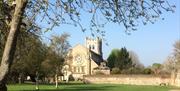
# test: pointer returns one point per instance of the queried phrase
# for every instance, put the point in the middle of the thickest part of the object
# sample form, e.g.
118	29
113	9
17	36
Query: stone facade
83	59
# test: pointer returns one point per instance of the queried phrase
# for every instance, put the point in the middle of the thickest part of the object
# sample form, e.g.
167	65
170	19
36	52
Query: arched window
90	47
93	47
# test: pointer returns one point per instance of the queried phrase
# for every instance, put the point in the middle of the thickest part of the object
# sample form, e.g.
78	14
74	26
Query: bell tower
94	45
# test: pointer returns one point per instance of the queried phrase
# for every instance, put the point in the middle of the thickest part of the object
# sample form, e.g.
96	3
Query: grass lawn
87	87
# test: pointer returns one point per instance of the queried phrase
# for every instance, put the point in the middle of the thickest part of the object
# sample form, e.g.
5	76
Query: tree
138	66
58	49
156	68
135	60
147	71
177	54
25	44
59	12
119	59
112	58
11	43
28	56
170	64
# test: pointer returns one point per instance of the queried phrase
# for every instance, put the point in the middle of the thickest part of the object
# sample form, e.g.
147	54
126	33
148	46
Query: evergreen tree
119	59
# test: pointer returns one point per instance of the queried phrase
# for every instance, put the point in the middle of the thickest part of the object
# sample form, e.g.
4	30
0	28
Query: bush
147	71
71	78
135	70
132	70
115	71
126	71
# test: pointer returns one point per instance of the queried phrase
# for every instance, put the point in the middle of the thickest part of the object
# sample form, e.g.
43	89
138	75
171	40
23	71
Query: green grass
87	87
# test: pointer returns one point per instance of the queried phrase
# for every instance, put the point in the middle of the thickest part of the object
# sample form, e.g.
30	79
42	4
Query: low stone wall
105	72
128	79
176	81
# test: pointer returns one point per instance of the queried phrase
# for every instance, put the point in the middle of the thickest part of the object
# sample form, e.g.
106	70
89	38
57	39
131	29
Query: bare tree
58	49
156	68
177	53
135	60
170	64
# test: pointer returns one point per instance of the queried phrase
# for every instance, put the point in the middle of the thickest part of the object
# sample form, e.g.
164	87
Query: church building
83	59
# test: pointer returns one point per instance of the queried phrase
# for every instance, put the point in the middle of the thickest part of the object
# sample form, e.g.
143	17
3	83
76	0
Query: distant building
82	59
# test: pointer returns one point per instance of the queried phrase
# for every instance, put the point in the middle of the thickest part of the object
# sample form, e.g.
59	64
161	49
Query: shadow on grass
80	83
78	88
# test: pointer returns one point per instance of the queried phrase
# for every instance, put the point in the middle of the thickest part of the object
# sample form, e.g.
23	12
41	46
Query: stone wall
176	81
128	79
101	71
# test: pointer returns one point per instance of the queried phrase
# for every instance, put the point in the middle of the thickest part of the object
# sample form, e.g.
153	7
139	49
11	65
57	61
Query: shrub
71	78
147	71
115	71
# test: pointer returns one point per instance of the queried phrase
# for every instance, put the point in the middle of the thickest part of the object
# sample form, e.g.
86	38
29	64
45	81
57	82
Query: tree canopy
119	59
128	13
177	53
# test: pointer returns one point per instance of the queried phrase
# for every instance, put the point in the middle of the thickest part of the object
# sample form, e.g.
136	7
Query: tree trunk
20	78
10	45
37	80
56	79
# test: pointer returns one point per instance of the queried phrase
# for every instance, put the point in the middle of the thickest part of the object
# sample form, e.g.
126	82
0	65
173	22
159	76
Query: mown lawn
87	87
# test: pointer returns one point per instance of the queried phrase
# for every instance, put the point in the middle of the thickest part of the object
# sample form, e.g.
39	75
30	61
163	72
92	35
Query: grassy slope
87	87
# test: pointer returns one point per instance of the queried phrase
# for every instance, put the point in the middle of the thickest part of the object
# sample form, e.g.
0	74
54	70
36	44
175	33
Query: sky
152	42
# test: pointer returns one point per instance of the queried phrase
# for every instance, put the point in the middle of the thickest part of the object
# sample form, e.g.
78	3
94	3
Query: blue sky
152	43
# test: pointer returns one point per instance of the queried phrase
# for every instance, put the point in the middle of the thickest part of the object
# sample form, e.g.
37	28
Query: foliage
115	71
133	70
169	64
156	68
135	60
29	56
177	53
112	58
119	59
32	56
55	13
60	44
172	62
29	50
57	51
122	12
147	71
71	78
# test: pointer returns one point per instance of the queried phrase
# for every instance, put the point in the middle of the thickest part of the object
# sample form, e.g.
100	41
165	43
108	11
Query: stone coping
127	75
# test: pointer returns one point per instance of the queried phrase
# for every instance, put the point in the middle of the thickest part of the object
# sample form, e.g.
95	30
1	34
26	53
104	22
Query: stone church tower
94	45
